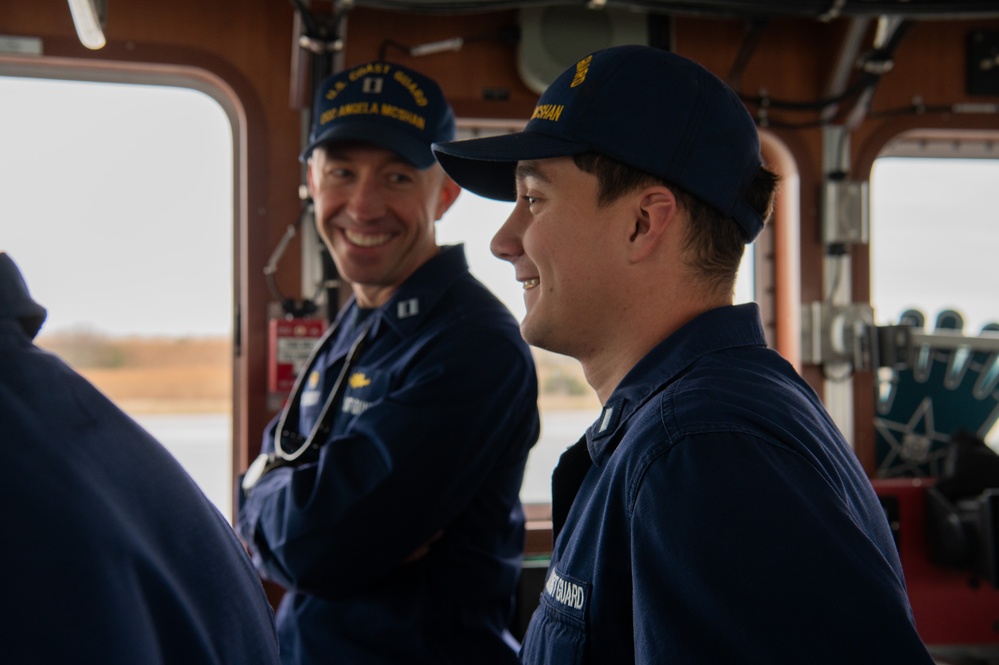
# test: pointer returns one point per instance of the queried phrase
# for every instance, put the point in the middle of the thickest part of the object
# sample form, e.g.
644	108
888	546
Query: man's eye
531	200
399	178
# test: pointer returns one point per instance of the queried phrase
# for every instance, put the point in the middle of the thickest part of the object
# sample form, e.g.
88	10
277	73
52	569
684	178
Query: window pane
935	238
117	207
934	241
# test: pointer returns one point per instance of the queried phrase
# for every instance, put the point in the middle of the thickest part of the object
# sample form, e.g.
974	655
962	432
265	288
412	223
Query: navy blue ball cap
383	104
644	107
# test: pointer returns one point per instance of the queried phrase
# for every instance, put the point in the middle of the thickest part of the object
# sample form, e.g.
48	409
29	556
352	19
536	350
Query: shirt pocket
558	630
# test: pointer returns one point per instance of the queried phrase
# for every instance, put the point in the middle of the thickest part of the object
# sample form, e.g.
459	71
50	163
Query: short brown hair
715	242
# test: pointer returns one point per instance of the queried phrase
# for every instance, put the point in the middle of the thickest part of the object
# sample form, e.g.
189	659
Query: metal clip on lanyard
301	449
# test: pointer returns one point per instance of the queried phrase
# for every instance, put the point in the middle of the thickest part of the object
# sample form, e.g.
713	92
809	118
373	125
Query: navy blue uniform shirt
111	553
718	516
431	436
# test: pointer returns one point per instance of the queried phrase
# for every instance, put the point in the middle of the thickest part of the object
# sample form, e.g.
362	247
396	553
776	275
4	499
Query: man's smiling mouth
366	239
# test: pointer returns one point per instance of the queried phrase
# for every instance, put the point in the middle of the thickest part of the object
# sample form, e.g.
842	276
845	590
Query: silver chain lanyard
304	448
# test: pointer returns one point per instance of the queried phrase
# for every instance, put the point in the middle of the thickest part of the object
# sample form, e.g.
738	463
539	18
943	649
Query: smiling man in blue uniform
713	513
386	500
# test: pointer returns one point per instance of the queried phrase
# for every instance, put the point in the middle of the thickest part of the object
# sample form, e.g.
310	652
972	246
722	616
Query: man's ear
310	179
654	213
448	195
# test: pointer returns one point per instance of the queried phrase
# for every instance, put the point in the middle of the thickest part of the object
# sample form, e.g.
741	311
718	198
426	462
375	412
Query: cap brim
402	143
487	166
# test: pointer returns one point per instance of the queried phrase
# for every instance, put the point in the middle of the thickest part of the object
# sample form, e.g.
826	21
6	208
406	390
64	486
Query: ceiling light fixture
88	17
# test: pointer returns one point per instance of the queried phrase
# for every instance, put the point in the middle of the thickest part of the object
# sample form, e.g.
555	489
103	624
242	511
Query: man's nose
365	200
506	244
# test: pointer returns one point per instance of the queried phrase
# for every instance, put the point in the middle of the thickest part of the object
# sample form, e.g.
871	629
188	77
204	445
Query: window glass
117	207
934	240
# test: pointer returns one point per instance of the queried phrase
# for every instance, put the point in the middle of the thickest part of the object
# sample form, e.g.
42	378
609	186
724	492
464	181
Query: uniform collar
418	295
715	330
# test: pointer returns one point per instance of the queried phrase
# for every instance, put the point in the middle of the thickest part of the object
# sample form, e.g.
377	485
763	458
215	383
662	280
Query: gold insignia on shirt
313	379
358	380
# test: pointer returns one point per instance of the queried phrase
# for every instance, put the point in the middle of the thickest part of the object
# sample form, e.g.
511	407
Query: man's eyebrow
530	170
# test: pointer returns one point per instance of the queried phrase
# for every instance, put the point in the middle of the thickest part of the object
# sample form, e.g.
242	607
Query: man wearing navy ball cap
713	513
386	498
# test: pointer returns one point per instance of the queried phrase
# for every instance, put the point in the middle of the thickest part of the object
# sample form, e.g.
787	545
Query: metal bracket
836	333
845	212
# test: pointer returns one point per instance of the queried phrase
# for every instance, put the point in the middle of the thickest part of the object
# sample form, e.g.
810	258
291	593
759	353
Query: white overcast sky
115	201
935	238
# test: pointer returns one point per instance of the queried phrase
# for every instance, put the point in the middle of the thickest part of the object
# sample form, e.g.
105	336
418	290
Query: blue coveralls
431	436
718	516
111	553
